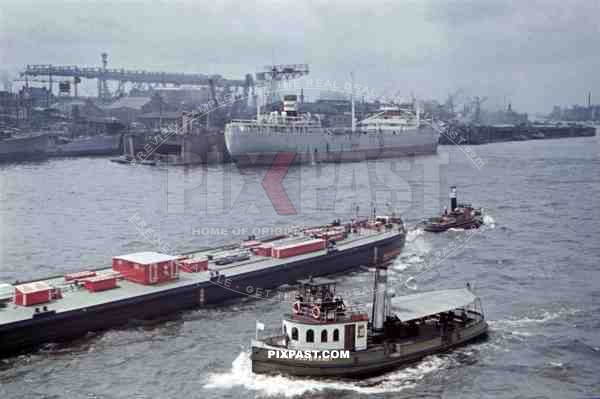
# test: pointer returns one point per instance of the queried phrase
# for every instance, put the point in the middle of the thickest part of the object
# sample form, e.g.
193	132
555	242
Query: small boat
128	159
121	159
461	216
323	338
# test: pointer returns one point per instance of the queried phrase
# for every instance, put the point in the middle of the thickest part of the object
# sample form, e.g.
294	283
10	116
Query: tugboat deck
77	298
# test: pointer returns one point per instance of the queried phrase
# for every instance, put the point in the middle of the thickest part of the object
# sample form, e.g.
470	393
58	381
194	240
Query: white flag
259	325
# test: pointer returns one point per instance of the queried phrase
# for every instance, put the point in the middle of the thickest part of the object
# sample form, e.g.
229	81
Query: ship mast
353	110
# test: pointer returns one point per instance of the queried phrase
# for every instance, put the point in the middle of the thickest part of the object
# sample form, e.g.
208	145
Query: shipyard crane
477	101
213	97
277	73
249	90
451	101
104	74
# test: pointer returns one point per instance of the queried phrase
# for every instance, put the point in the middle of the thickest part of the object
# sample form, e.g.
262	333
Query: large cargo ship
392	132
148	285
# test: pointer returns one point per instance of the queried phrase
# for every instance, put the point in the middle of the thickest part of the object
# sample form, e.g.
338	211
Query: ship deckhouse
321	321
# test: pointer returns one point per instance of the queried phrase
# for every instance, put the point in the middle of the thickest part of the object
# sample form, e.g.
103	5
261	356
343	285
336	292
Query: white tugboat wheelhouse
321	321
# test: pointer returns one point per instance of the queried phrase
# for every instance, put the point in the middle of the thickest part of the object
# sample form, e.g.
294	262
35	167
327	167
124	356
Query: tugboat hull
438	228
371	362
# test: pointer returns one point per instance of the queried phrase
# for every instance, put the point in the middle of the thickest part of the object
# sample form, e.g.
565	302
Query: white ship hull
262	143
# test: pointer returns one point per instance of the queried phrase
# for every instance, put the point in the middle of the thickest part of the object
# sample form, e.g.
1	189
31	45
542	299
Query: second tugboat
324	338
462	216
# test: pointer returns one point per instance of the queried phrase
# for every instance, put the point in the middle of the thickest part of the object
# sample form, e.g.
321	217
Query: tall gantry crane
104	74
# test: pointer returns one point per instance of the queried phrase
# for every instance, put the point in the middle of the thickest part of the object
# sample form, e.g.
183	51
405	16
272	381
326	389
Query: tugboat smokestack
380	292
453	203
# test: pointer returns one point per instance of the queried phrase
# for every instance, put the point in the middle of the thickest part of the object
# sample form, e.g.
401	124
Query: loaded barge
148	285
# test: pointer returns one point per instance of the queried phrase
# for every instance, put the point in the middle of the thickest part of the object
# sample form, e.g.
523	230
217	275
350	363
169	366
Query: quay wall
483	134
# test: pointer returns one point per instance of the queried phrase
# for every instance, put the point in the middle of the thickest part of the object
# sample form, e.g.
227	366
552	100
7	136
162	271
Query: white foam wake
543	317
414	233
413	254
241	375
489	221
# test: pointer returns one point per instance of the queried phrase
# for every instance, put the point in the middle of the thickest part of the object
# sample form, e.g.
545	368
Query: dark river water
535	265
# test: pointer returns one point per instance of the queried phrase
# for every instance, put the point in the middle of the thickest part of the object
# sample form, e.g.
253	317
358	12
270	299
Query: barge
323	338
148	285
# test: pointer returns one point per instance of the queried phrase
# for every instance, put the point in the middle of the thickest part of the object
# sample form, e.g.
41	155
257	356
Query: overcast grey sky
535	53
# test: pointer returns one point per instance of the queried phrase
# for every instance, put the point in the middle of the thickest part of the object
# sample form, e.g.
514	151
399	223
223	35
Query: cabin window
310	336
324	336
295	334
336	335
361	331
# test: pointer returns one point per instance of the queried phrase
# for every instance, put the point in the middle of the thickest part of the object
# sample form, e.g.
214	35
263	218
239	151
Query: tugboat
462	216
322	337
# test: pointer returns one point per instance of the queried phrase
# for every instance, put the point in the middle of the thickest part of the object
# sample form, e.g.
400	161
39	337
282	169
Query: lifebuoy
316	312
296	307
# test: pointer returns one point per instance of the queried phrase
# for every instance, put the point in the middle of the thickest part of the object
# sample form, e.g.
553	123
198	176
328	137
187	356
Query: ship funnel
418	112
453	204
290	105
379	292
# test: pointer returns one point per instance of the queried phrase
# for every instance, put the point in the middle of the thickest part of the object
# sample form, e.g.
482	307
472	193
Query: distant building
576	113
175	96
37	96
71	107
9	108
157	120
128	109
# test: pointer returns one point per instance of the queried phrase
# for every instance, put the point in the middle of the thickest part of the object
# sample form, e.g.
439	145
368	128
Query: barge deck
78	310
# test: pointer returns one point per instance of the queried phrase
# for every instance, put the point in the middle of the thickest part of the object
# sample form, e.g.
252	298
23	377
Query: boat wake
413	256
489	221
540	318
414	233
241	375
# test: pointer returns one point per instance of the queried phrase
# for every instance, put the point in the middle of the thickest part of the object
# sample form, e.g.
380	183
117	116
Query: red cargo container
100	283
334	236
298	248
33	293
79	275
147	267
263	249
193	265
251	243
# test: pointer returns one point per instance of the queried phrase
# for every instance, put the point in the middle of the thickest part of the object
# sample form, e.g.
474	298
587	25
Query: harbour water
535	265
